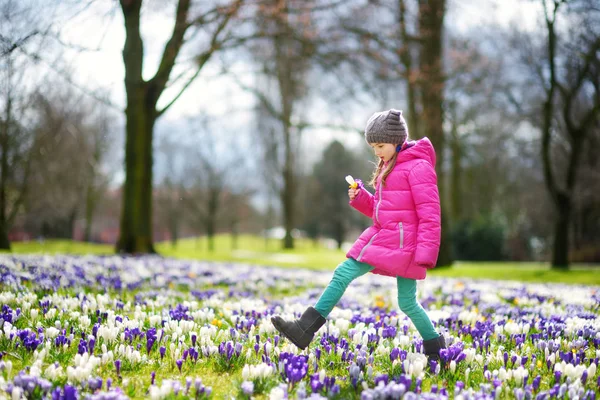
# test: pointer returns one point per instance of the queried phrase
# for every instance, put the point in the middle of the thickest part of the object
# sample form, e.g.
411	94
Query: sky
102	28
219	97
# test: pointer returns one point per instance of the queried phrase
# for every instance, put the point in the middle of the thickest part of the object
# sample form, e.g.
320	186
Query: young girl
403	241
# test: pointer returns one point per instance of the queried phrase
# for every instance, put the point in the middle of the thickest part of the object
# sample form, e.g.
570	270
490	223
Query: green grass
60	247
257	250
523	272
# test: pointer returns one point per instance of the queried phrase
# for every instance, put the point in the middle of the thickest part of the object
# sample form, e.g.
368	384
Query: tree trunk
456	175
234	227
287	92
4	242
289	193
136	214
71	223
174	228
339	233
210	234
410	76
4	138
90	205
431	24
141	113
560	252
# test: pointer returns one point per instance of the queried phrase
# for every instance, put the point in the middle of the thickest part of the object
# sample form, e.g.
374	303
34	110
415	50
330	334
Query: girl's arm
423	184
363	201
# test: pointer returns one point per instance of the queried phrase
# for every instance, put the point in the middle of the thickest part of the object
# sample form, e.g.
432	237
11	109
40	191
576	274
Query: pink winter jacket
404	239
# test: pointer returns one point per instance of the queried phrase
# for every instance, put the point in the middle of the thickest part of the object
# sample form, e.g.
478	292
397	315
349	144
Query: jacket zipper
401	228
365	248
378	204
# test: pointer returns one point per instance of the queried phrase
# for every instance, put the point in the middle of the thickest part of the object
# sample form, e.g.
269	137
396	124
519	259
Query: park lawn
59	246
257	250
522	272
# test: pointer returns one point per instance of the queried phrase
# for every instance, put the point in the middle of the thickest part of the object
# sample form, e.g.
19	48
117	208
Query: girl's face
384	151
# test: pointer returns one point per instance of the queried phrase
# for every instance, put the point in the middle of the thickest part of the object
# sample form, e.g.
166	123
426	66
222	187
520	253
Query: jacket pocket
401	230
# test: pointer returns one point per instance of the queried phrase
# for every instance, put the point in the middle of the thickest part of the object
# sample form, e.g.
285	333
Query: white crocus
50	314
470	355
16	393
52	332
453	366
53	372
592	370
502	374
83	369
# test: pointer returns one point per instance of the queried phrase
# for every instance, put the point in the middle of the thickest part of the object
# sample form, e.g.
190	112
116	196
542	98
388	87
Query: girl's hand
352	193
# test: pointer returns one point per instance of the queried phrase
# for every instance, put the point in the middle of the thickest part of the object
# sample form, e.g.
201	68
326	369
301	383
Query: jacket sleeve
424	189
363	202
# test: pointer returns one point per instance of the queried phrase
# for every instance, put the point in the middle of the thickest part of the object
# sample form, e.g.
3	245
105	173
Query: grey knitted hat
386	127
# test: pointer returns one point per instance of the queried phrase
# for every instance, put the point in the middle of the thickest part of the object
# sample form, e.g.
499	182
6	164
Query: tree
97	142
17	140
431	83
329	206
284	54
17	146
72	144
215	177
171	188
577	119
142	99
412	54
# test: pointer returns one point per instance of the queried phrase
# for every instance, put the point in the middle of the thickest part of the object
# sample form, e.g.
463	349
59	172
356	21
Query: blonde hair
379	168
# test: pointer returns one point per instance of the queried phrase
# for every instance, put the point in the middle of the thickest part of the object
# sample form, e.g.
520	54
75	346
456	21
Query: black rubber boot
432	348
300	331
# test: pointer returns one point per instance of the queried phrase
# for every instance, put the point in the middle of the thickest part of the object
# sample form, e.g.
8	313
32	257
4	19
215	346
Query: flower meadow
148	327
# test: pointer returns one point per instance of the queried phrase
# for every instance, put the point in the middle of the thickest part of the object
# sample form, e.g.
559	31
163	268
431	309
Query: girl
403	241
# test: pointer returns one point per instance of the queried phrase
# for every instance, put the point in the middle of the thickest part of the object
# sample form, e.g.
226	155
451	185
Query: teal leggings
351	269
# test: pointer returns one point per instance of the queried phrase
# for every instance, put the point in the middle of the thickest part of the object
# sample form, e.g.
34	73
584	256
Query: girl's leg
407	300
345	273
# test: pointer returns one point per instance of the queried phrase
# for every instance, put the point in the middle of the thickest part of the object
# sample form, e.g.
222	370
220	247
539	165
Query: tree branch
205	56
571	93
158	83
262	98
14	46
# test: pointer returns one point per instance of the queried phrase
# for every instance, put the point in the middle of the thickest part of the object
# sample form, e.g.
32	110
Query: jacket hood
418	149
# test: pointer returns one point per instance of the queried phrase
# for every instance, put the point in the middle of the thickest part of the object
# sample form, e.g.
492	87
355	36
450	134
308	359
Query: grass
257	250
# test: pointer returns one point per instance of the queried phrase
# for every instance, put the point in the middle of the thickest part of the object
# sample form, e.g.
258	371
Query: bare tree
412	54
17	139
171	188
142	99
97	146
578	118
216	176
284	58
431	83
17	147
69	165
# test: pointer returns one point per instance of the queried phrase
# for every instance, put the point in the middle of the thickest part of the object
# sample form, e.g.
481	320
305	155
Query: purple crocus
70	393
149	344
248	388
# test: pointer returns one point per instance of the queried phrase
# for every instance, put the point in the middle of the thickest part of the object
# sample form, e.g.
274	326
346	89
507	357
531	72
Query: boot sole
281	330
